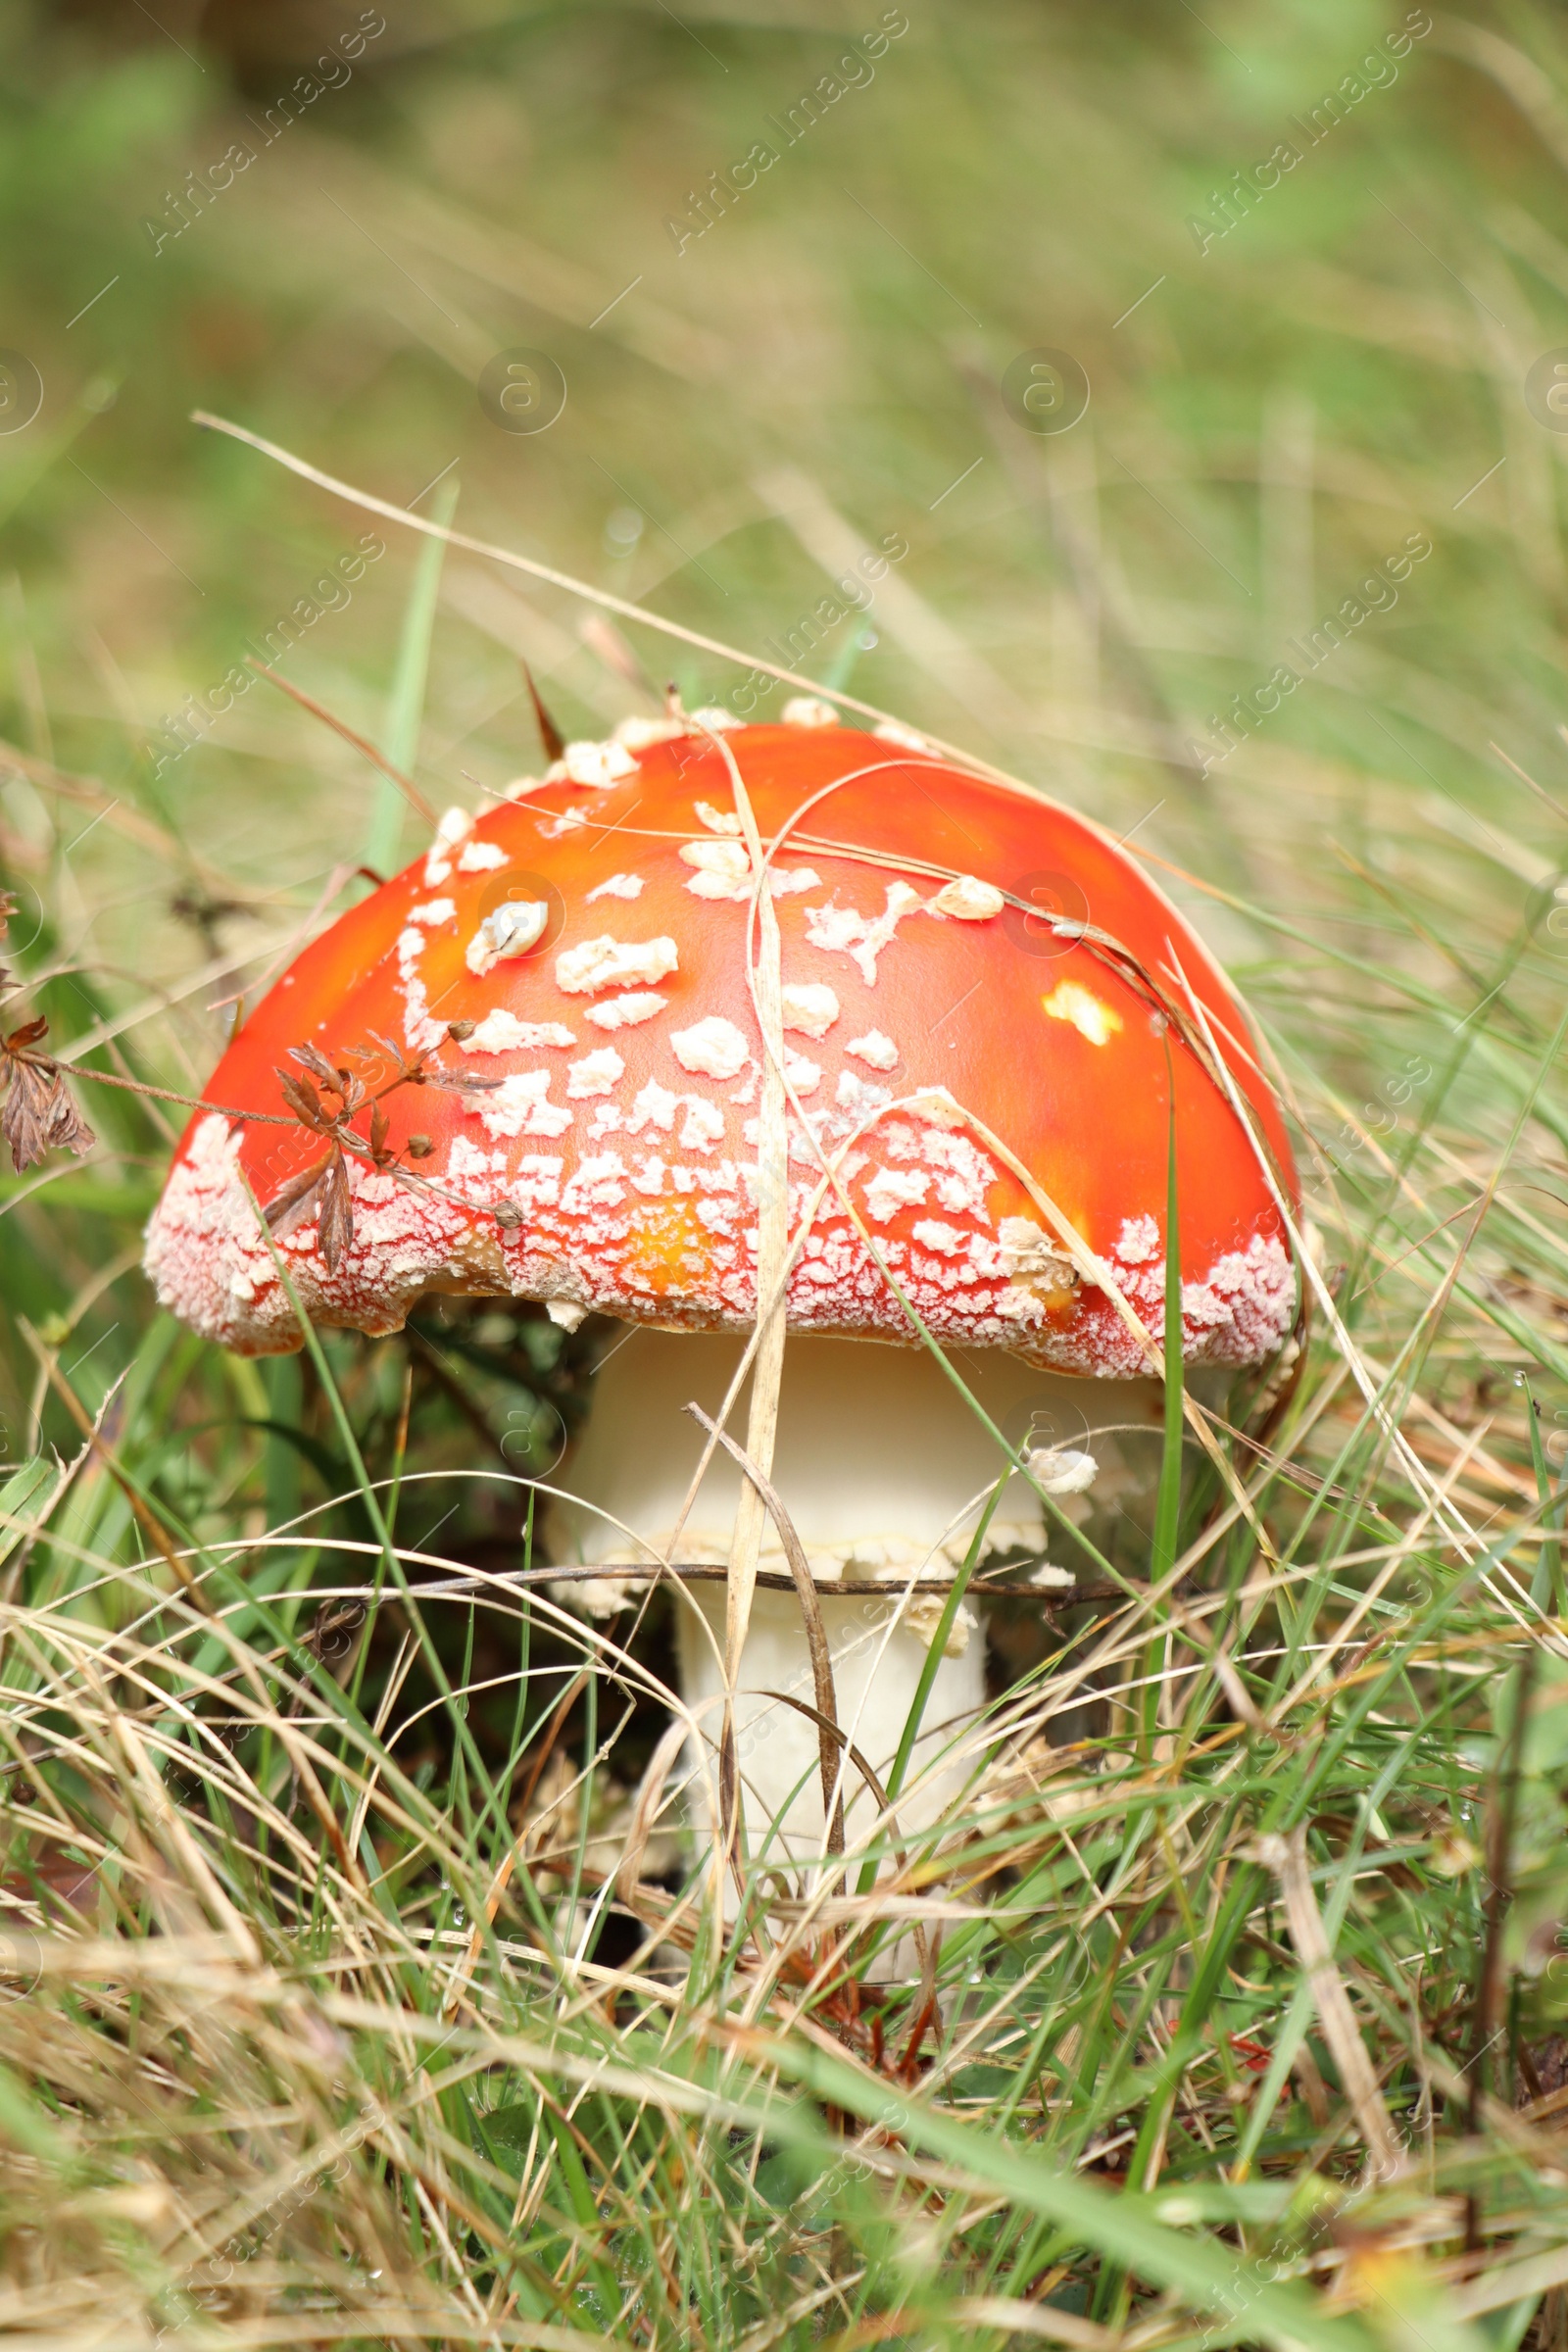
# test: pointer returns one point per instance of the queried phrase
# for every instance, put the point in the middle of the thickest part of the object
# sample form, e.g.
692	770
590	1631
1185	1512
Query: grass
327	2016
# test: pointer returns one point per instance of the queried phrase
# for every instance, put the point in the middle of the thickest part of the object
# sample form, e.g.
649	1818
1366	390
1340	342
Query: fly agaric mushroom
559	1058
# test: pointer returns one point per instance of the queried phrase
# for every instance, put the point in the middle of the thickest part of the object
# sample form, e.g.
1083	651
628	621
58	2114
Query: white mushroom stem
878	1462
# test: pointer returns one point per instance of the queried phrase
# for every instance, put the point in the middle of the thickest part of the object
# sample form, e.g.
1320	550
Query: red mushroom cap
969	973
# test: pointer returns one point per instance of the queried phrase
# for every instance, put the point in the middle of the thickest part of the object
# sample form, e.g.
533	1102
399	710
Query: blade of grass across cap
1168	1504
772	1305
1168	1498
405	706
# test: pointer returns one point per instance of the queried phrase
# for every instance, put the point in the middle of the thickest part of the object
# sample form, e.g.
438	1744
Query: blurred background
781	277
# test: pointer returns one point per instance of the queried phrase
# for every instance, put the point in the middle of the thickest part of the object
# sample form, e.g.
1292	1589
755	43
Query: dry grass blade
307	701
1286	1857
811	1618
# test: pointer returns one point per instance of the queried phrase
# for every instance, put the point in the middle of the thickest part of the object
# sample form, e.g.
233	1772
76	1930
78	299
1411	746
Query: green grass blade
405	705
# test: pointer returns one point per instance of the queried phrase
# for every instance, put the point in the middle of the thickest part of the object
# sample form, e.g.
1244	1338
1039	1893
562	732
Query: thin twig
405	785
